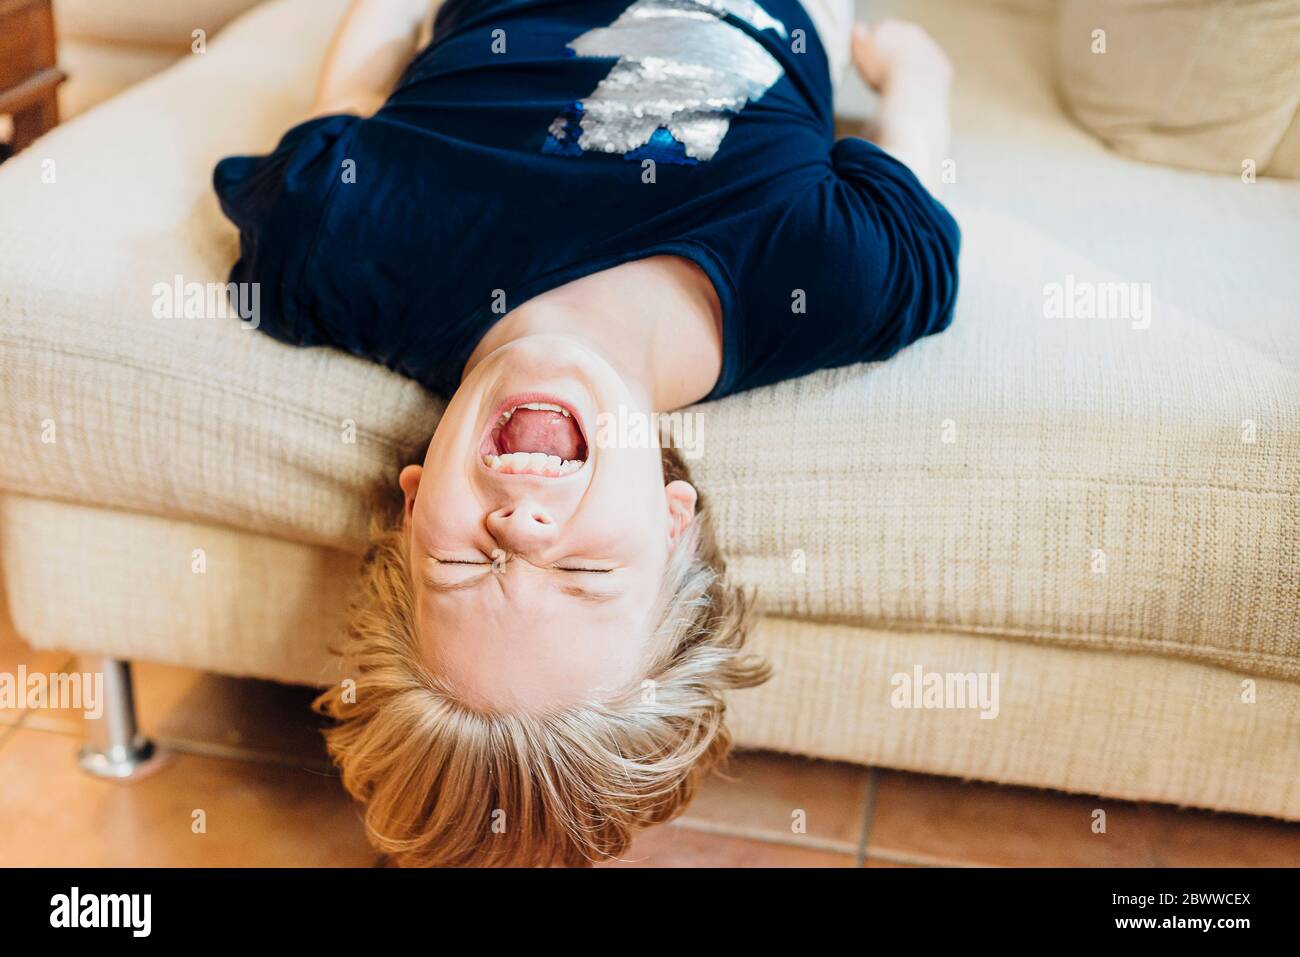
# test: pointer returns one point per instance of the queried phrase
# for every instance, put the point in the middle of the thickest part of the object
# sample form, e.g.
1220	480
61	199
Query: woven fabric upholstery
1134	726
1099	482
1205	84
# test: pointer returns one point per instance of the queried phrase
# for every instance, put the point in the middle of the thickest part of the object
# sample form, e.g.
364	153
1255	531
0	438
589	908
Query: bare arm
374	43
908	69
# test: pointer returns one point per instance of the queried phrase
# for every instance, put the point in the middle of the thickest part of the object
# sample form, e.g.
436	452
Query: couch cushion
160	23
98	71
181	416
1206	84
1110	482
1139	727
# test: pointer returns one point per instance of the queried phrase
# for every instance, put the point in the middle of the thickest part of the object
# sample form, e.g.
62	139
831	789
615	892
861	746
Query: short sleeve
277	201
859	263
906	277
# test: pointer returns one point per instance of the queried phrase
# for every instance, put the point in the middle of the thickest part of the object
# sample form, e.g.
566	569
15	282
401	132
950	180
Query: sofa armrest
155	23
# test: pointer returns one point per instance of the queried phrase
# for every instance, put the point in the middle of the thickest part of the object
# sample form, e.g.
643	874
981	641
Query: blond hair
446	784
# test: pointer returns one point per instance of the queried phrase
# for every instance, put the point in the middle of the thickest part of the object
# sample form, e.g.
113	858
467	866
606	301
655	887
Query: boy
551	213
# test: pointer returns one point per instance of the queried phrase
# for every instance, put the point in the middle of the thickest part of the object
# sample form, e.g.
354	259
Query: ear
409	480
681	508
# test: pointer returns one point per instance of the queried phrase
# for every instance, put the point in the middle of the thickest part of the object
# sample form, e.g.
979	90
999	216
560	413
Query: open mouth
534	436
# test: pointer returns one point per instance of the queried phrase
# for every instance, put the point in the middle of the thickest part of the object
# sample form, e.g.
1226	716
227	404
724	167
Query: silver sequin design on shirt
682	68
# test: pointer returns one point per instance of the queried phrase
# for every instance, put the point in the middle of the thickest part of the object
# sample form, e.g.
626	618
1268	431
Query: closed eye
486	561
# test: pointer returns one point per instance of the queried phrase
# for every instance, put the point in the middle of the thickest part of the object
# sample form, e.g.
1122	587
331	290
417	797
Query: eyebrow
595	597
461	585
574	591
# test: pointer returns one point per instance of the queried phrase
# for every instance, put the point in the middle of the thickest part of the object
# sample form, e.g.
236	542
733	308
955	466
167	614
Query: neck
657	321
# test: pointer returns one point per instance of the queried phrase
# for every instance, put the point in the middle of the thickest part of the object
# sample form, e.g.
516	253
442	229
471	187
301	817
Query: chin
548	356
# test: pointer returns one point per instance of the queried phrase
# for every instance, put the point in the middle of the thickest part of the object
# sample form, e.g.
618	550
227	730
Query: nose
522	526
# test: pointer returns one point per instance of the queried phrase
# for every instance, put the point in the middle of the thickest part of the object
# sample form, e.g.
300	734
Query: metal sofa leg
114	747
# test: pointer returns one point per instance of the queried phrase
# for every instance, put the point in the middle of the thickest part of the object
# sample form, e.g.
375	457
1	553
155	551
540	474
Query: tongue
541	430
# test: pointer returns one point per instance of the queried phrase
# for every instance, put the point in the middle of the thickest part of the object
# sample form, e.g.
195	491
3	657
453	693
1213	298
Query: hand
891	47
373	45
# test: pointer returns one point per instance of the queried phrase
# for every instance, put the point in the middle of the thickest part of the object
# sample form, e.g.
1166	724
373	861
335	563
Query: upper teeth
536	407
537	463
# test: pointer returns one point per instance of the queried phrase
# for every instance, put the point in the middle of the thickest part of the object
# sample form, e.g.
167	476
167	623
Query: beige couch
1104	512
106	46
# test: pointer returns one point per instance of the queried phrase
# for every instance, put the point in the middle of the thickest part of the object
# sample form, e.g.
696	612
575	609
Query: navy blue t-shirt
537	141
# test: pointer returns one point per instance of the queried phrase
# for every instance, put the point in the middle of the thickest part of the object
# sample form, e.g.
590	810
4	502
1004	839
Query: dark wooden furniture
29	75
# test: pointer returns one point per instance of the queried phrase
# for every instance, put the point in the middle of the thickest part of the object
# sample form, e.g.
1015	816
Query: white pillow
1207	84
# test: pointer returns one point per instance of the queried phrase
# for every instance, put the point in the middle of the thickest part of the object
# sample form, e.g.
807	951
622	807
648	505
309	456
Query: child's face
567	607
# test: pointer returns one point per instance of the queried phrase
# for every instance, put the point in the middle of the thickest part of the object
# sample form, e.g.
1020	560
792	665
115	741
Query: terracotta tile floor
245	761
